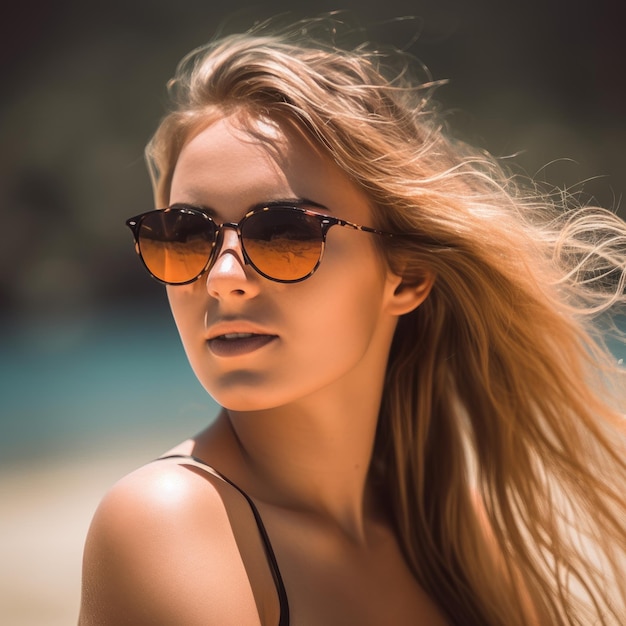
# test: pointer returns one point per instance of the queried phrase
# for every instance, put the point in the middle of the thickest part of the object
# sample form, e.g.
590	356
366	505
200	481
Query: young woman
420	422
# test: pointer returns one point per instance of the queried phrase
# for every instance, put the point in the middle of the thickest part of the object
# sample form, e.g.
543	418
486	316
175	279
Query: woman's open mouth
236	344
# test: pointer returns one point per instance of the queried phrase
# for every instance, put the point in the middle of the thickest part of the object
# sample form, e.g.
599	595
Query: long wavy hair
501	440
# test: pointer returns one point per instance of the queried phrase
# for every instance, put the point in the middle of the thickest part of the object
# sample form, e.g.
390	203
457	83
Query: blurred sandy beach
47	506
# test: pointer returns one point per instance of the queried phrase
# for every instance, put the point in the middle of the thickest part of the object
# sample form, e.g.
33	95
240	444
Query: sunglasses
282	243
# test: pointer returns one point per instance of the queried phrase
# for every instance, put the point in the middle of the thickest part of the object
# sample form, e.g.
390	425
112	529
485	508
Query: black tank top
269	552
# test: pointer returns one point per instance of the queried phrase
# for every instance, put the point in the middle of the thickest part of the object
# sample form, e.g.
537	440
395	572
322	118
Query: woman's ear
405	297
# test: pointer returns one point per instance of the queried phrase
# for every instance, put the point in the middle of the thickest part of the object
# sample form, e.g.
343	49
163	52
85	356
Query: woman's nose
228	276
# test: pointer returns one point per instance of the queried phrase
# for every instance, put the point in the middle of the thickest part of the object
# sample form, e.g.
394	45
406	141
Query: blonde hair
502	421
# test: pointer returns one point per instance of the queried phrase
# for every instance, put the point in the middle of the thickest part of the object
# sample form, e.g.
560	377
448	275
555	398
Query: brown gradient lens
282	243
176	245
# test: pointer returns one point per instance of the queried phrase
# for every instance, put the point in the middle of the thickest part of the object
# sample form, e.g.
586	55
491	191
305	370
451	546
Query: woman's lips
236	344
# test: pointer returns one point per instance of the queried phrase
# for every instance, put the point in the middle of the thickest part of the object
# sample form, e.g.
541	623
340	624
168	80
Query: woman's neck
313	456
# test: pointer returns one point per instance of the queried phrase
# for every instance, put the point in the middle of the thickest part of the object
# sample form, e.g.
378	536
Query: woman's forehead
258	159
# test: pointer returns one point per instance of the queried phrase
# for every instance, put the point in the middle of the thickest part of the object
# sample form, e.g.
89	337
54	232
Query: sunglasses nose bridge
225	243
220	237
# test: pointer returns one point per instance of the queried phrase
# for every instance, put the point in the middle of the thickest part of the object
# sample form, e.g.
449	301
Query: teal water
93	379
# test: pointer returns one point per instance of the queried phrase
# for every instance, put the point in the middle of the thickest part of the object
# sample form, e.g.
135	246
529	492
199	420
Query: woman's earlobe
408	296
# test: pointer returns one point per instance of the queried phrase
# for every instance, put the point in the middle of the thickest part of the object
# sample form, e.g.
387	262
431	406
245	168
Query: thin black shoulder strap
269	551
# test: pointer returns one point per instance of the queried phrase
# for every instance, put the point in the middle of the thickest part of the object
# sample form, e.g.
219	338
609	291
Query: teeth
236	335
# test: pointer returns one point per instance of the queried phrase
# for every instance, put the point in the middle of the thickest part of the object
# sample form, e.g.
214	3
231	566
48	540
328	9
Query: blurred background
93	381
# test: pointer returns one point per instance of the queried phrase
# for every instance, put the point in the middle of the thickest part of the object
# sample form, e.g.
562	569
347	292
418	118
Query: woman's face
257	344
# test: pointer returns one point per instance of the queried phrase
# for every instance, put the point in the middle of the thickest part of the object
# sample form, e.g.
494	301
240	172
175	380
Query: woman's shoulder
161	549
162	493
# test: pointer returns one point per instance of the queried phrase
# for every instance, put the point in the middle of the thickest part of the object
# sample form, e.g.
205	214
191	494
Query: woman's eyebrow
289	202
212	213
295	202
